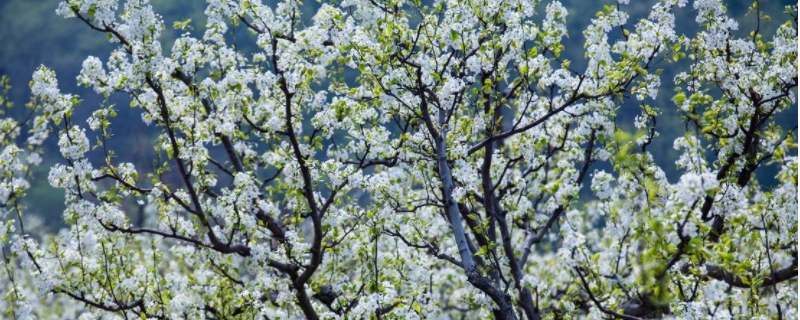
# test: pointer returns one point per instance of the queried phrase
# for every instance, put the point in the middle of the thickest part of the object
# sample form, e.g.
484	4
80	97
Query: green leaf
679	98
182	25
454	35
387	31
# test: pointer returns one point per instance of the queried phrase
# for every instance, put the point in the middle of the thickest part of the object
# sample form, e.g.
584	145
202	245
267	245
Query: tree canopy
408	159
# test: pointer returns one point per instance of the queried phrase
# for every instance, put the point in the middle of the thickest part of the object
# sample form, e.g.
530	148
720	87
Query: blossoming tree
443	179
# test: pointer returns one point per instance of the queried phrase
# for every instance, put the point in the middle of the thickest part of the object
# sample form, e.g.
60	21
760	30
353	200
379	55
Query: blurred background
31	34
